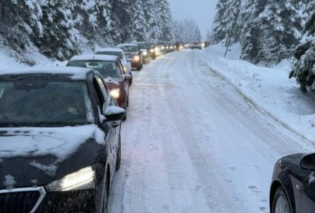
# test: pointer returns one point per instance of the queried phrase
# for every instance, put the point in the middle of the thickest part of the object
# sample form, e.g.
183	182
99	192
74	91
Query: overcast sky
202	11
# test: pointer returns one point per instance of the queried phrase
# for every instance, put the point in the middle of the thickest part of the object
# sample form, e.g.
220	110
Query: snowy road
192	144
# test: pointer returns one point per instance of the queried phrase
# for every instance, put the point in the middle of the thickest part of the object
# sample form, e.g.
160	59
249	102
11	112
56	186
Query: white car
116	52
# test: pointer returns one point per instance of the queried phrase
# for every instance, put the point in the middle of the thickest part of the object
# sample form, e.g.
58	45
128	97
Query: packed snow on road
195	142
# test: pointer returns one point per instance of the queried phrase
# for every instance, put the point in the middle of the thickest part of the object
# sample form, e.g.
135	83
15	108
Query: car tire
139	67
281	203
118	160
105	208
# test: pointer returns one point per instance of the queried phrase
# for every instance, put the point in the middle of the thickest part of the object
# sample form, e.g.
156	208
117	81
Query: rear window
119	54
106	68
130	48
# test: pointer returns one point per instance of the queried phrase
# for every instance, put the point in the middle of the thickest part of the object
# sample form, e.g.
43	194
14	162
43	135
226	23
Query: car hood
37	156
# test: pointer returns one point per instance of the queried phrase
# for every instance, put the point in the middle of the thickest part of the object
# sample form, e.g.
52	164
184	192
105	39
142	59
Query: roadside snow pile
269	89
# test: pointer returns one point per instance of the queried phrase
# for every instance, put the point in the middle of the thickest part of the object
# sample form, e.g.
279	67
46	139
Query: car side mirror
308	162
127	76
114	113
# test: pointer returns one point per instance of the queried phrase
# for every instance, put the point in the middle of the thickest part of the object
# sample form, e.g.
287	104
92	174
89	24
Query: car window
33	102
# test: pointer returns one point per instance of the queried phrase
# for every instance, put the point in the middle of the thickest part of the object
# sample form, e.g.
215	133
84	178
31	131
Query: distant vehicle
111	69
121	54
134	55
145	51
54	153
196	45
293	185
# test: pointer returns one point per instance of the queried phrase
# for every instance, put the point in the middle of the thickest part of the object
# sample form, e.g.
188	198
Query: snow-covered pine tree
60	38
277	23
139	22
230	18
164	20
303	69
20	23
220	24
104	30
153	30
122	14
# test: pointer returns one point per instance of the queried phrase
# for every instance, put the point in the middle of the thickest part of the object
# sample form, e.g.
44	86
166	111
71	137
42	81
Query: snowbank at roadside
269	89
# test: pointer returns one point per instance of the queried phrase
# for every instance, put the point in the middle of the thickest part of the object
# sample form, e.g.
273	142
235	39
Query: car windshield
106	68
130	48
33	102
119	54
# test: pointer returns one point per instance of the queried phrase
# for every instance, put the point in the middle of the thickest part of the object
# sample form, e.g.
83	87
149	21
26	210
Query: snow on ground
269	89
192	143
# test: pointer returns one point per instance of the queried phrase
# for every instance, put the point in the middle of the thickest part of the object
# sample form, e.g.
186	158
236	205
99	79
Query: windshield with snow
106	68
31	102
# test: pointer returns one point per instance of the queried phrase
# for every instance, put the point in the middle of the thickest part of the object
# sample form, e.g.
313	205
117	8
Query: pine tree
220	23
303	69
164	20
60	38
153	30
139	22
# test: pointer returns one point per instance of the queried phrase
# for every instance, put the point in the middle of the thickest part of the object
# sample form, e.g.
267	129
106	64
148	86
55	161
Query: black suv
59	141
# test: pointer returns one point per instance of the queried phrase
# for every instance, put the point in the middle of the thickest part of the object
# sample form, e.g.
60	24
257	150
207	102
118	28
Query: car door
111	129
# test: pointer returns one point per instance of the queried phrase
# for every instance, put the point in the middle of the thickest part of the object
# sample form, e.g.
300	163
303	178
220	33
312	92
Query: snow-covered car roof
94	57
126	44
109	49
74	72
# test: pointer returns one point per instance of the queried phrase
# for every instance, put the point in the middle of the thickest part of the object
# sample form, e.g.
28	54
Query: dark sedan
293	185
59	141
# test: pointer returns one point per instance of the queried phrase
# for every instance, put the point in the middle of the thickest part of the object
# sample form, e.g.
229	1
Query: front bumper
68	202
37	200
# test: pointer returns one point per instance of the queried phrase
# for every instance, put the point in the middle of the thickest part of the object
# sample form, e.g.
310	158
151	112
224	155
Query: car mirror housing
114	113
308	162
127	76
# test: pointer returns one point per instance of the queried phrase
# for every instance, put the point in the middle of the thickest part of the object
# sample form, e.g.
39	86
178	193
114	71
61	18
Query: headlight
145	53
125	69
163	48
136	58
152	51
115	93
83	179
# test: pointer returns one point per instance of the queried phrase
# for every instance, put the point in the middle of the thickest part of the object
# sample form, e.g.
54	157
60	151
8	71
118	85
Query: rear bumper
135	64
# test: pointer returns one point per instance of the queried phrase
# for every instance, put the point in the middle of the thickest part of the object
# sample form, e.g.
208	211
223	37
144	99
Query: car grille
20	201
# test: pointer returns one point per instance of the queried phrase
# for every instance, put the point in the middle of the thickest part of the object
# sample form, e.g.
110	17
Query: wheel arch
283	181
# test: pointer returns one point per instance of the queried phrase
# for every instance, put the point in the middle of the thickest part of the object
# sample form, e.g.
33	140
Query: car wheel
281	204
139	67
118	160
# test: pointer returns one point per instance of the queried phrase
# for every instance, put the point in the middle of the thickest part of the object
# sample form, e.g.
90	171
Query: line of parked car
60	130
60	136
